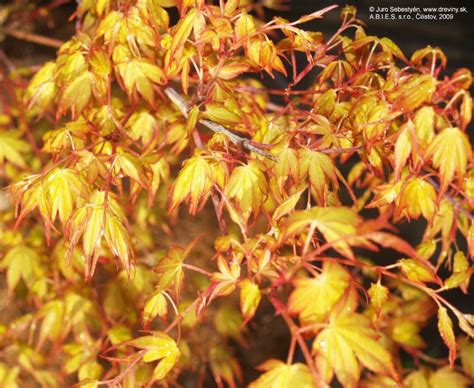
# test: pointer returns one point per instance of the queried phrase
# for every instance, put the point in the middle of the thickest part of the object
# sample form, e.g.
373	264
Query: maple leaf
248	186
100	217
183	30
278	374
12	148
22	262
378	295
250	296
417	198
336	224
450	151
192	184
158	346
403	146
417	270
65	189
321	171
349	339
77	95
42	88
314	298
170	267
445	327
227	276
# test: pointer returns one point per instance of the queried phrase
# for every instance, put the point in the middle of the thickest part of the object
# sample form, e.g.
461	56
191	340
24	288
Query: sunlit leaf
348	340
313	298
278	374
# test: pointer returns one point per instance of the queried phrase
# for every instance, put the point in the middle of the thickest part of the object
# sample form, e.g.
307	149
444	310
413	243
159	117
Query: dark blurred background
455	37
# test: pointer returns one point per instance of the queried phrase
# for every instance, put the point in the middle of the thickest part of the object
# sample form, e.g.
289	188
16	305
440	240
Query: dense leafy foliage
139	121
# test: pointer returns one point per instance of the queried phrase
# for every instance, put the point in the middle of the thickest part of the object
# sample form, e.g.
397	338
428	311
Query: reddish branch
296	336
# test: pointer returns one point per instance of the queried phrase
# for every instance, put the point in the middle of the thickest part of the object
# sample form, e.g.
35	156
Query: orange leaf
445	327
183	30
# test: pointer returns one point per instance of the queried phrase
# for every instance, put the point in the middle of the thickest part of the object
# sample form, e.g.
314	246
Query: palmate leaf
170	267
158	346
24	263
193	184
313	298
248	186
450	152
336	224
12	148
101	217
349	340
278	374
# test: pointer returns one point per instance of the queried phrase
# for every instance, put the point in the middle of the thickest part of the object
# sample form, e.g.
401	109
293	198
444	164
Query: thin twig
181	104
34	38
294	330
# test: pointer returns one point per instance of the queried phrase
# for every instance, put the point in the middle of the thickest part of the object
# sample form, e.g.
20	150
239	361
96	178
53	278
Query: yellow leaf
65	188
417	270
77	94
417	198
232	70
407	333
450	152
159	346
321	170
183	30
98	218
42	89
445	327
244	26
278	375
166	364
287	164
170	268
227	276
155	305
250	296
132	167
221	114
370	117
385	194
95	225
414	92
448	377
378	295
167	3
336	224
403	147
11	148
286	206
314	298
248	186
52	325
424	126
193	184
349	337
24	263
118	240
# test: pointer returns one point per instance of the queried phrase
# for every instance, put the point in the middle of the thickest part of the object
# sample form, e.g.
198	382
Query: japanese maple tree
142	125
